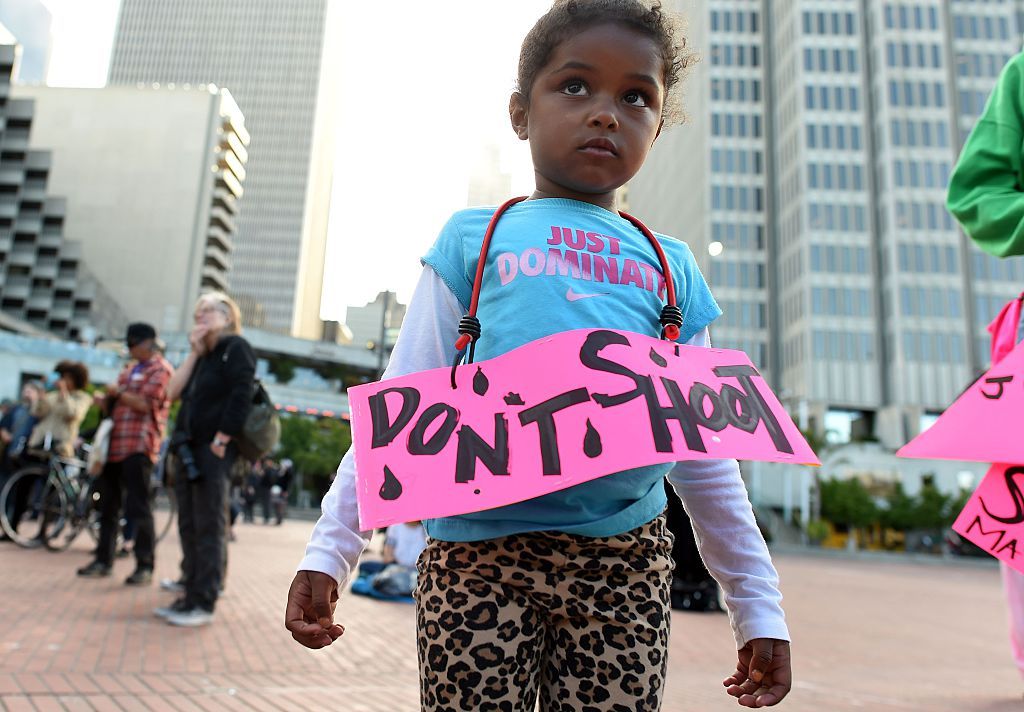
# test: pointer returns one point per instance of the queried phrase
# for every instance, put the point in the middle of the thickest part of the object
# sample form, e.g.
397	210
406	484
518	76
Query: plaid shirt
136	432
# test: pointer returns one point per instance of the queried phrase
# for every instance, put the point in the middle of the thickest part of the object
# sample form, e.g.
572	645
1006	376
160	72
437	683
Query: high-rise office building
153	182
810	180
276	58
29	21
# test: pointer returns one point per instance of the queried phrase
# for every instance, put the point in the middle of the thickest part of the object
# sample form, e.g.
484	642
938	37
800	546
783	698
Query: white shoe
192	618
172	585
179	606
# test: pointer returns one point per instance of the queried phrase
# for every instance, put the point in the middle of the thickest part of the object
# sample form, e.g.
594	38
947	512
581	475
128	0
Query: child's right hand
309	614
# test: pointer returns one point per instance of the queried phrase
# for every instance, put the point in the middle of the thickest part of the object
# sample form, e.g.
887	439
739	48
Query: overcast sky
416	107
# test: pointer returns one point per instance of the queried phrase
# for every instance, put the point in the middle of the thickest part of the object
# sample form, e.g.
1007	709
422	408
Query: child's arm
985	193
427	340
735	553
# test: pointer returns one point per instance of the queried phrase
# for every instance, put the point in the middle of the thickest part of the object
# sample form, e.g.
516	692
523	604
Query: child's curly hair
569	17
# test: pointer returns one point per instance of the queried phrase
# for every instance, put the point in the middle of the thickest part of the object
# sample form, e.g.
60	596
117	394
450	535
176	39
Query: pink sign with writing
984	423
994	516
552	414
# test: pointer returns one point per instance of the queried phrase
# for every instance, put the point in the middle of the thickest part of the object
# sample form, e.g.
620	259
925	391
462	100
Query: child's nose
604	116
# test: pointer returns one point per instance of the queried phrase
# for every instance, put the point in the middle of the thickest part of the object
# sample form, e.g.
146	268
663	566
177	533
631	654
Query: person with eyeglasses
215	383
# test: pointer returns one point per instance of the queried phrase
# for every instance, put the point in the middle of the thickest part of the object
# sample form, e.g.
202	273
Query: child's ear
518	114
661	125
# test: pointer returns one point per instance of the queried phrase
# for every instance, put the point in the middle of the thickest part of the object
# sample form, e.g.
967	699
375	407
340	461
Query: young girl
565	596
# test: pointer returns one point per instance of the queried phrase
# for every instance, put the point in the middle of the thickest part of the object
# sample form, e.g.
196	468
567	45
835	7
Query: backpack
262	429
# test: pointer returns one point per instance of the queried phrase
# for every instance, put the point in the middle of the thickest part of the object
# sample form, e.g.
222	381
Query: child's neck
601	200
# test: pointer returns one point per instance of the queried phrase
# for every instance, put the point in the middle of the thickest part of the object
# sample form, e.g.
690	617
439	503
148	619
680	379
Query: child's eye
635	98
575	87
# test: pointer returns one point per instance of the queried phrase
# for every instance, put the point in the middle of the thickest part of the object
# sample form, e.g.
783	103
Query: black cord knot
471	325
671	314
671	321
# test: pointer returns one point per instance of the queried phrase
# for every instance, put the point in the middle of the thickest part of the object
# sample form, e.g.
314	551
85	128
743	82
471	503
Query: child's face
594	111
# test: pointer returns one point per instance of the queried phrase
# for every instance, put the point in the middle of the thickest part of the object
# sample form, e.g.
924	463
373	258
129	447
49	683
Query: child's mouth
599	147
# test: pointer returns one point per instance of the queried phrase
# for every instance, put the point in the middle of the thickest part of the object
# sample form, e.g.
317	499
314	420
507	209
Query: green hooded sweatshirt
986	190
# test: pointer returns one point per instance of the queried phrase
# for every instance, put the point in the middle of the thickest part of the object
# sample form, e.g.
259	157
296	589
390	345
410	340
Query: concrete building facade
842	275
269	54
153	181
44	283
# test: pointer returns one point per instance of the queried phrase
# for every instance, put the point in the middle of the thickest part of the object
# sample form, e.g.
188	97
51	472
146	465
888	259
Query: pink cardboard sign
994	516
983	424
554	413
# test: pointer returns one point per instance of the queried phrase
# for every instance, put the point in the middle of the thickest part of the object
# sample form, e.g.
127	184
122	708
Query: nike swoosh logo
576	296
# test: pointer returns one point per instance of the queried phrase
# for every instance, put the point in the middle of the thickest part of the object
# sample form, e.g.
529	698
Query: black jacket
219	394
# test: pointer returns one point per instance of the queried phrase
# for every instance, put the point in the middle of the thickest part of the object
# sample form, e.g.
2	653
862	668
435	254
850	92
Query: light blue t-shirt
555	265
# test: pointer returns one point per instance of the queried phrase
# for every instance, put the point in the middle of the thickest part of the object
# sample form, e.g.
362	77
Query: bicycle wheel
56	516
21	507
92	512
165	507
77	517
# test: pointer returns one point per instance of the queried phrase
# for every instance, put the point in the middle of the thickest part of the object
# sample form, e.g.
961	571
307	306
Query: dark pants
249	506
127	480
202	525
264	495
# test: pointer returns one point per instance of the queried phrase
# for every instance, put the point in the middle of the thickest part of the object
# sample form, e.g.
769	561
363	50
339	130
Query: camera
192	473
182	448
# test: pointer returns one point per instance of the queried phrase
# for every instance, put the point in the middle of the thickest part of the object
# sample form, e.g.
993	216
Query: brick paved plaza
872	634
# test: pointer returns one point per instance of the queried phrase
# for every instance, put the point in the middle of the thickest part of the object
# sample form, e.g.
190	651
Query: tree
315	446
900	513
846	503
283	368
957	504
932	511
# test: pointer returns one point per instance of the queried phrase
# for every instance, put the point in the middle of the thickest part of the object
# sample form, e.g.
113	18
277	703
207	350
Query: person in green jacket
986	189
986	195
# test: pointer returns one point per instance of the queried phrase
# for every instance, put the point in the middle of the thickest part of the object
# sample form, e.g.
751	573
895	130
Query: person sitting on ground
395	575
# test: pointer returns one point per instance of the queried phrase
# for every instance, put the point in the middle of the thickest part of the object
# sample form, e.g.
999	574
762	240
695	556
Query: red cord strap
464	337
469	326
671	315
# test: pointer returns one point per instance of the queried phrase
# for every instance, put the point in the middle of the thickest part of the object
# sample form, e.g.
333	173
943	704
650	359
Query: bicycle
31	510
65	500
83	511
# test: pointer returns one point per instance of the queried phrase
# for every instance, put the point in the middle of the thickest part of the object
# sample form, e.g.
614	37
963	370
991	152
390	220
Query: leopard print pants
581	622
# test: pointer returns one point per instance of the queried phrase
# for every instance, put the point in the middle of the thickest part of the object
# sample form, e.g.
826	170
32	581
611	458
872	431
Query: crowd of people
266	484
215	385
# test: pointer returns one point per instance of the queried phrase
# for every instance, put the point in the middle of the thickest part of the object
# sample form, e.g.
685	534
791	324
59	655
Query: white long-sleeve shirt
712	490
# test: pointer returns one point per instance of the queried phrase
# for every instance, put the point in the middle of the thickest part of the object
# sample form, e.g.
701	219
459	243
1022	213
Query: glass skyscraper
810	180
